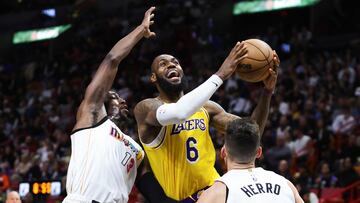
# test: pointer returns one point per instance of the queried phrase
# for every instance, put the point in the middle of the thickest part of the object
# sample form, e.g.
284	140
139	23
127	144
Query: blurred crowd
313	131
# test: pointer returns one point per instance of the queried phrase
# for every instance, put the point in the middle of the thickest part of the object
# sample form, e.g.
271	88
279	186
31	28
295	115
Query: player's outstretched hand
270	81
147	21
237	54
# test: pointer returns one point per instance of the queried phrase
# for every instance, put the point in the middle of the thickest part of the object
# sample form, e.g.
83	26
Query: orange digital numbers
43	188
35	188
48	187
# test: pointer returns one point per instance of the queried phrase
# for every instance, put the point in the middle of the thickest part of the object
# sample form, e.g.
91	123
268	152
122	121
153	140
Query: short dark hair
242	140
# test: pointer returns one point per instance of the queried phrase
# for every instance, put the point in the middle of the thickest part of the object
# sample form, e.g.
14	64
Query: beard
169	88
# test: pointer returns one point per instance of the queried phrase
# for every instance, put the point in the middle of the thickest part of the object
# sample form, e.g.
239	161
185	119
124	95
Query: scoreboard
40	188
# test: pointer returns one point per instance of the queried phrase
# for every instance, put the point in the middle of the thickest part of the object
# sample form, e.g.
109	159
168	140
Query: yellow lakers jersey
183	157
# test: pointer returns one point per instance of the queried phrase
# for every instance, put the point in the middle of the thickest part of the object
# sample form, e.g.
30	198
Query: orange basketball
255	67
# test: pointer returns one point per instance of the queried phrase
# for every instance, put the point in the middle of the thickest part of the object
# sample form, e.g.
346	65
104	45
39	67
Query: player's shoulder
147	104
271	174
216	193
148	100
213	107
211	103
264	171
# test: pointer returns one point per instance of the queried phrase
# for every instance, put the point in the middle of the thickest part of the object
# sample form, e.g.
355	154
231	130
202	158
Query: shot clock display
40	188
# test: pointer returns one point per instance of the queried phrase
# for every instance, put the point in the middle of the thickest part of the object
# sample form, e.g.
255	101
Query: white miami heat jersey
103	164
256	185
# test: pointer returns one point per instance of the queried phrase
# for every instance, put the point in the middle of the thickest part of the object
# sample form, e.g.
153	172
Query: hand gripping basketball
237	54
270	81
254	68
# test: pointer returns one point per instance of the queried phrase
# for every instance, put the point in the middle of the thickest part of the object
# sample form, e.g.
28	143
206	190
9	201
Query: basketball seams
266	58
254	70
255	59
260	72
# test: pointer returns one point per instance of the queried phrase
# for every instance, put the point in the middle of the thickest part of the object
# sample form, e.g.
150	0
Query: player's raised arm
91	109
219	117
261	112
152	113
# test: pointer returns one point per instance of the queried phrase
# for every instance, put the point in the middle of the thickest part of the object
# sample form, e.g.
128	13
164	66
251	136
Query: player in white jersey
104	161
244	182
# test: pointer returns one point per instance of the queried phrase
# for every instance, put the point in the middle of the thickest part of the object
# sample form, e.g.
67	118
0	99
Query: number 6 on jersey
192	154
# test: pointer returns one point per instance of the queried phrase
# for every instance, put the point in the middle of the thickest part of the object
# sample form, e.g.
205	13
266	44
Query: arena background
313	133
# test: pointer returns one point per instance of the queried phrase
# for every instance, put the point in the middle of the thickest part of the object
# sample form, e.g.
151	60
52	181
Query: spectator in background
322	138
240	105
301	146
9	155
346	77
284	128
344	122
302	177
306	123
350	148
23	165
34	172
28	198
347	173
4	181
323	109
277	153
283	170
307	195
13	197
326	178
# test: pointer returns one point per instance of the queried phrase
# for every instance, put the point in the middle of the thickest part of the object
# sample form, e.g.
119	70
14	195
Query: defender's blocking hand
147	21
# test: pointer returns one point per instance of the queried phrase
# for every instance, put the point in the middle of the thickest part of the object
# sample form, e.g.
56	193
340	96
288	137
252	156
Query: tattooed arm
218	116
145	115
92	109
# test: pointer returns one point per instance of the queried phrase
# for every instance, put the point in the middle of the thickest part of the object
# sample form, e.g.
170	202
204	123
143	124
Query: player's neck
237	166
120	123
170	98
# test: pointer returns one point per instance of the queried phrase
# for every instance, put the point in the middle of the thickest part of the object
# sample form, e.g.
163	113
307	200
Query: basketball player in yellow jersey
174	128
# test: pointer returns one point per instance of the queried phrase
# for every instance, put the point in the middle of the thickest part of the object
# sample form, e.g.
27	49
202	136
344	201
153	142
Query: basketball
254	68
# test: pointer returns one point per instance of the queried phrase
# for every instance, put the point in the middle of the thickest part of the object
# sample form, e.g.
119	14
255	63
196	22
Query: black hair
169	88
242	140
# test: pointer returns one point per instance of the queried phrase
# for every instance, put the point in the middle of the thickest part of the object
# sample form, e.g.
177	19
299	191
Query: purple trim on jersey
194	197
162	141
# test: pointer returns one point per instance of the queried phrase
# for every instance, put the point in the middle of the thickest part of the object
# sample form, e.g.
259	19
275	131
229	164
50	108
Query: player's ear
258	152
223	153
153	78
